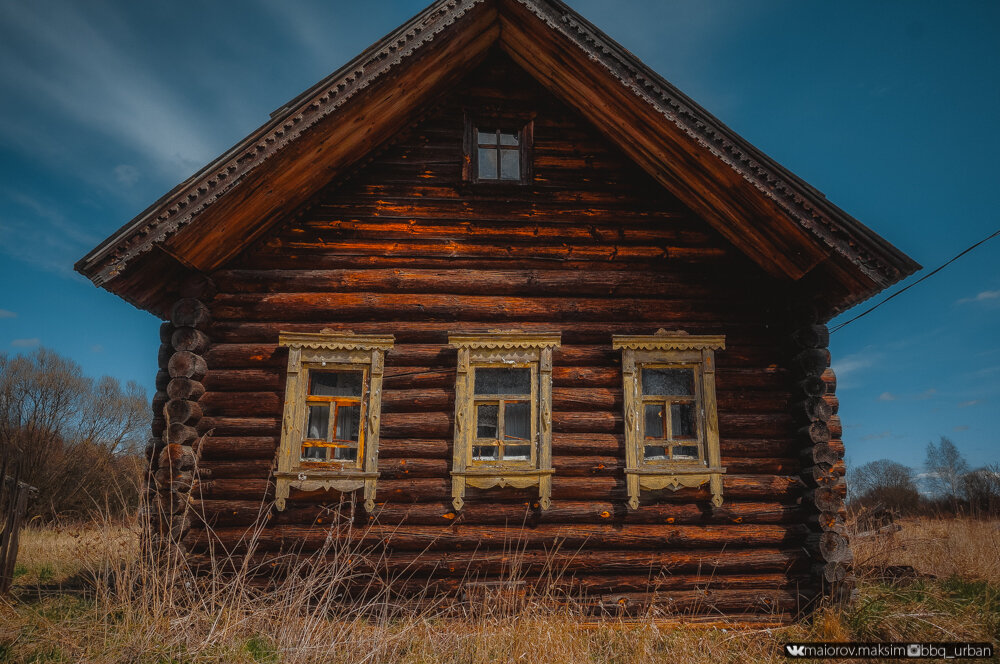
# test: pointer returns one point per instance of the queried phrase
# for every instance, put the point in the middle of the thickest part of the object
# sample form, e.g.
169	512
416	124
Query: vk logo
795	651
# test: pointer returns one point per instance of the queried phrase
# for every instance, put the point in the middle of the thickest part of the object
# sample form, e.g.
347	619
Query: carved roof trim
673	341
336	341
870	254
505	340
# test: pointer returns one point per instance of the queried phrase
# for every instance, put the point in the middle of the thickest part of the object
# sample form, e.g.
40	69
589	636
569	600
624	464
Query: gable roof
782	223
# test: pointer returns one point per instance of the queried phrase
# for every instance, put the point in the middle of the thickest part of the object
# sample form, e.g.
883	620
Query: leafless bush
74	437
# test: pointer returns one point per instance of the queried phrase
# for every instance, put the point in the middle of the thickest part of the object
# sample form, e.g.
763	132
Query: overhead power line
906	288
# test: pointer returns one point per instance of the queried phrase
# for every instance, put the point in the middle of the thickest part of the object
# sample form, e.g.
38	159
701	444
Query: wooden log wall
591	247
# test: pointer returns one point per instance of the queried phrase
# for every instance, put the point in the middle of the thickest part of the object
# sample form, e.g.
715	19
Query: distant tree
75	438
945	468
886	483
981	490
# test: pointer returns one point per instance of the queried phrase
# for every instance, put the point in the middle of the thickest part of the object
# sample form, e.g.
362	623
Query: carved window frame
507	350
329	352
667	350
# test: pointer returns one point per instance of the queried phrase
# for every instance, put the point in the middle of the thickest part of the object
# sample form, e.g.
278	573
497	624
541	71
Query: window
498	151
329	436
503	412
671	424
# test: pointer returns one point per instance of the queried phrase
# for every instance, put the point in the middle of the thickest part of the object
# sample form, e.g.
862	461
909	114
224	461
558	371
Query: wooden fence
14	496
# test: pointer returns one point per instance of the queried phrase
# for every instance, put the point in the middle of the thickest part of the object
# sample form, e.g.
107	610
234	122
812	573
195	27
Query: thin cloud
126	174
848	367
983	296
966	404
26	343
97	348
887	396
4	313
962	427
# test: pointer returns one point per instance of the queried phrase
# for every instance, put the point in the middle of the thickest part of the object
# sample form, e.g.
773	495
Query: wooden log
246	512
185	388
831	572
190	312
811	410
391	468
163	355
812	336
159	401
162	379
557	562
812	387
181	434
182	411
833	402
835	427
820	453
740	333
828	498
472	282
812	361
576	536
199	287
830	379
190	339
177	457
245	447
815	432
184	364
166	332
830	547
405	307
735	488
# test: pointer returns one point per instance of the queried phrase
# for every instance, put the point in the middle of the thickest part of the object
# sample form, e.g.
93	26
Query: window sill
674	478
518	478
311	479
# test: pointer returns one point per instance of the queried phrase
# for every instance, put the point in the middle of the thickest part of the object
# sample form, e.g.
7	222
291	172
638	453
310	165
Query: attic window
498	151
671	424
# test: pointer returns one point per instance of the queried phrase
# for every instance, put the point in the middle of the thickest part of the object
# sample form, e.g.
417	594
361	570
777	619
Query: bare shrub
73	437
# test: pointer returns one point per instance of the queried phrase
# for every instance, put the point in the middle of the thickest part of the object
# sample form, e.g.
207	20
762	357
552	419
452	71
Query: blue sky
890	108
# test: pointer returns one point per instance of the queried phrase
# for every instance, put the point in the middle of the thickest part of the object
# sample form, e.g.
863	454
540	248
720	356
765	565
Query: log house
496	281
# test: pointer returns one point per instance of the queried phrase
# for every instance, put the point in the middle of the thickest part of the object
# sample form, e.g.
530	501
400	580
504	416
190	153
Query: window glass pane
517	452
487	163
654	420
486	138
503	381
655	452
510	165
508	138
486	420
318	426
679	382
314	453
348	421
345	453
682	420
686	452
336	383
485	452
517	420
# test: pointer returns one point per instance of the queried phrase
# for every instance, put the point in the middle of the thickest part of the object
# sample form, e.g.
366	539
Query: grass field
130	614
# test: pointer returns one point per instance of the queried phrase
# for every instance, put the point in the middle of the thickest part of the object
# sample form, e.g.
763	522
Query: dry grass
136	615
964	548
